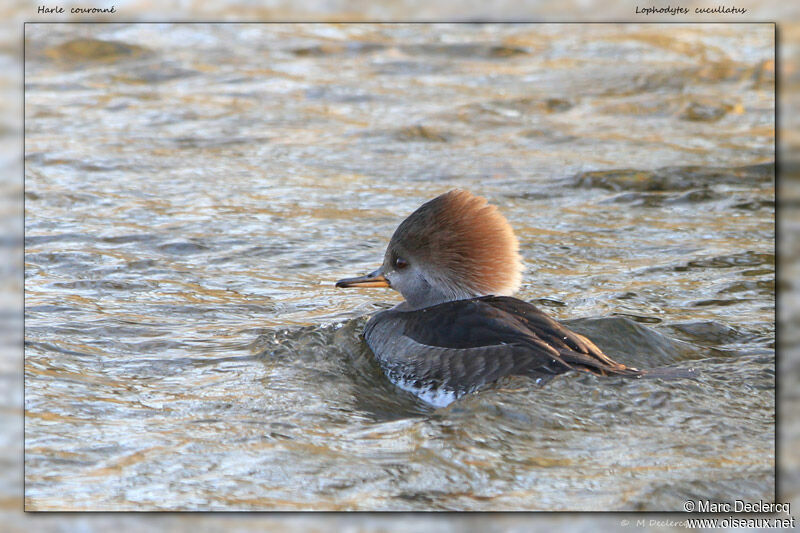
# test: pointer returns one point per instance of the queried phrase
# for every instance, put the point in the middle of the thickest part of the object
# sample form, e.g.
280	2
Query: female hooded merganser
456	262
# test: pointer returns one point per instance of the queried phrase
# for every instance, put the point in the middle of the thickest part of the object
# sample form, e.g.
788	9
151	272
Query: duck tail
631	372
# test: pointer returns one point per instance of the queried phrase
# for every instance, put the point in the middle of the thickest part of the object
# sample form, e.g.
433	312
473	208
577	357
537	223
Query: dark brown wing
576	350
526	341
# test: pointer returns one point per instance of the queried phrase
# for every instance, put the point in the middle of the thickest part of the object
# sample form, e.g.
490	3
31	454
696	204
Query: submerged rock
673	178
94	50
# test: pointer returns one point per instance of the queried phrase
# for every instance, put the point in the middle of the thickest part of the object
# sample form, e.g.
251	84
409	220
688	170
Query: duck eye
400	263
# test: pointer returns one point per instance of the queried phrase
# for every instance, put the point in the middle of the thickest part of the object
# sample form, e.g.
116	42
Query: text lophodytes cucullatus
455	260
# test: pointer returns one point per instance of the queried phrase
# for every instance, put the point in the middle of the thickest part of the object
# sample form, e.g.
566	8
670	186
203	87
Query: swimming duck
455	260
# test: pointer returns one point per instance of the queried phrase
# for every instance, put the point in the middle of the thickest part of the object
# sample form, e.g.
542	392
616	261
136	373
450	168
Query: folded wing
465	344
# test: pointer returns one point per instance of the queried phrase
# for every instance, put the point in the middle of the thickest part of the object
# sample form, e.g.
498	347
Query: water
193	192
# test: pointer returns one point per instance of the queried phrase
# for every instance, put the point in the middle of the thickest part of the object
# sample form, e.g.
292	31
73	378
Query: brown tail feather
602	368
597	362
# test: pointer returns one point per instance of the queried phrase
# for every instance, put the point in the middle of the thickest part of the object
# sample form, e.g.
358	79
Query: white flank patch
436	397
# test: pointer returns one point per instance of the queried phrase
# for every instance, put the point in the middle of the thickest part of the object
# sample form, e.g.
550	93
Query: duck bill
374	279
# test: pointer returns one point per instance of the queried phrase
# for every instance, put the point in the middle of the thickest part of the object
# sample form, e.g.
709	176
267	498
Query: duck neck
433	290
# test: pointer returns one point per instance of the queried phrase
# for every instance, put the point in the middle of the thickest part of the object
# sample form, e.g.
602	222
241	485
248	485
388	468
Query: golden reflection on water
192	205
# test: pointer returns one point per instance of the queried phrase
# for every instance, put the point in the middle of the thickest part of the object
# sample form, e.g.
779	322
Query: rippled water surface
193	191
